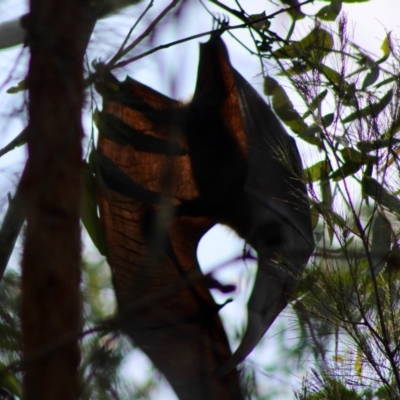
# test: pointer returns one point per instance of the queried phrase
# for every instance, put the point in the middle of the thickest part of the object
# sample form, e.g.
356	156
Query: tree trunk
51	303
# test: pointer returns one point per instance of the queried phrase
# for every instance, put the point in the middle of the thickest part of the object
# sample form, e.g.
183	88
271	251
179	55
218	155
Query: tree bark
51	303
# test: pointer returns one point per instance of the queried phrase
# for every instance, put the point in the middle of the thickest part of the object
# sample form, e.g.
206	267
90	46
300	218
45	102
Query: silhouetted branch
11	226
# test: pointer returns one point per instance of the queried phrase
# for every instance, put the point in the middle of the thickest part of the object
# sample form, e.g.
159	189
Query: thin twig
199	35
146	33
11	227
19	140
121	48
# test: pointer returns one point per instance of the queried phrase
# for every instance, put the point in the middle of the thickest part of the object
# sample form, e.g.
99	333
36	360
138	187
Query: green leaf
334	218
9	337
330	12
310	131
350	154
328	119
315	130
295	13
358	364
332	75
270	85
283	106
315	141
298	67
262	23
346	92
372	145
348	168
314	172
392	79
314	217
394	128
326	191
372	110
312	48
381	241
21	86
372	188
9	381
315	103
89	215
378	107
383	393
371	77
386	48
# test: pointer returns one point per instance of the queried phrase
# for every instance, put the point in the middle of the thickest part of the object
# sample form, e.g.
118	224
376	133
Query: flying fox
167	173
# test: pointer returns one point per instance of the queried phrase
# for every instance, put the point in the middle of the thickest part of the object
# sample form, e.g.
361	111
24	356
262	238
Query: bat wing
264	198
282	232
164	302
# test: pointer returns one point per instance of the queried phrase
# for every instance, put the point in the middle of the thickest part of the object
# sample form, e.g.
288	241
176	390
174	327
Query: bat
167	173
145	173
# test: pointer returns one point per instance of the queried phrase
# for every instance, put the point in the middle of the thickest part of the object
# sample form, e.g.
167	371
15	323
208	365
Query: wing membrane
163	298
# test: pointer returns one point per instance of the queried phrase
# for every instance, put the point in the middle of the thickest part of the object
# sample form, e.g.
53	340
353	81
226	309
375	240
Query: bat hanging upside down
167	173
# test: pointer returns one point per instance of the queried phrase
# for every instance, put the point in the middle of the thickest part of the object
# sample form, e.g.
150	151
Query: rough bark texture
51	303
